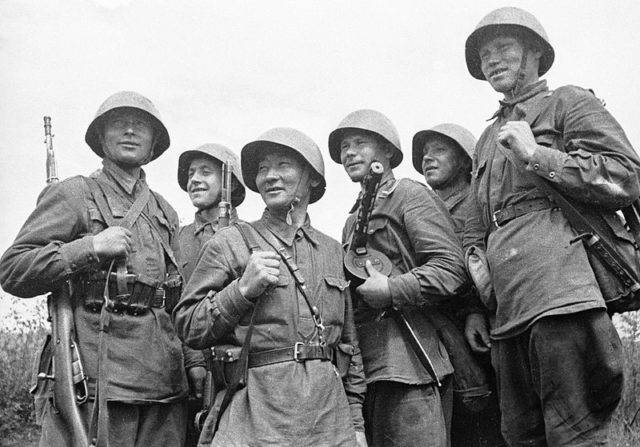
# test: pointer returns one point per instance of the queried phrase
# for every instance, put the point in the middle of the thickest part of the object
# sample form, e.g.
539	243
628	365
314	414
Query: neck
133	171
210	214
456	184
298	215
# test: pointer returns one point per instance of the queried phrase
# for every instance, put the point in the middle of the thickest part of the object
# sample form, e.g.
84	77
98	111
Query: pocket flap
339	283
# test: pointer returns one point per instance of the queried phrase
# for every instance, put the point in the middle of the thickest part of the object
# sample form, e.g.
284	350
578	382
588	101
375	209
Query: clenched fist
112	242
262	271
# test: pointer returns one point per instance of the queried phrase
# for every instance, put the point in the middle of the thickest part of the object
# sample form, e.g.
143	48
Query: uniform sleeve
439	270
354	382
596	163
53	244
212	305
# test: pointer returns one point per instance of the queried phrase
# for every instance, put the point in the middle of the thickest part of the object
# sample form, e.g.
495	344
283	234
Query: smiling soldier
556	352
200	174
276	287
113	239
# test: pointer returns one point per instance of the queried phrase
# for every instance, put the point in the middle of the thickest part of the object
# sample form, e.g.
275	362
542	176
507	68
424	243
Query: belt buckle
296	351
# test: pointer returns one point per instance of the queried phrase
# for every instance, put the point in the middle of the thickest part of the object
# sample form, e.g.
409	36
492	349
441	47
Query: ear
388	151
315	180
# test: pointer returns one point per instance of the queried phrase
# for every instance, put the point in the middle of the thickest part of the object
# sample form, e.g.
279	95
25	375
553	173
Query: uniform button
552	174
536	166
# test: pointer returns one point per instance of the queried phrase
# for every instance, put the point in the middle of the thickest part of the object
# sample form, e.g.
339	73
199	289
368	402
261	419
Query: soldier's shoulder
409	187
166	206
572	92
326	240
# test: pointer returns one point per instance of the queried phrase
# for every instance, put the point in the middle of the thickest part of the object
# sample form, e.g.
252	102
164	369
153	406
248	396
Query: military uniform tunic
144	363
288	403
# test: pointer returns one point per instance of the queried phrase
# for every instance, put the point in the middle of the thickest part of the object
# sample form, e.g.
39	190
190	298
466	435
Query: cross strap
267	235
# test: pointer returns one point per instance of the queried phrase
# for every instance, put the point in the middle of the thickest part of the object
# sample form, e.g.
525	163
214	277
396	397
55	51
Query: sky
226	71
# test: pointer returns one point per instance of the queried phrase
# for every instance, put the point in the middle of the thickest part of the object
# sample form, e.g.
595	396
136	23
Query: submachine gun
359	253
213	383
70	384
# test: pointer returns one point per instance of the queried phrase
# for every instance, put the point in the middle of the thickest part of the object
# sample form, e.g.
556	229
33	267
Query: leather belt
507	214
299	353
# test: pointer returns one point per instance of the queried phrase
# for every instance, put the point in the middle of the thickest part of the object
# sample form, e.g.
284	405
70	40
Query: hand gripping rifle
358	254
70	384
210	390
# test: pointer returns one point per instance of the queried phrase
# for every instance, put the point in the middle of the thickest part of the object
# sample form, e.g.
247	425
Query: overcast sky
225	71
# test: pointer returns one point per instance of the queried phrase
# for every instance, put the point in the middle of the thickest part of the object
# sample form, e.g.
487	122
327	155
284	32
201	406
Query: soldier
111	228
200	175
277	288
556	352
410	225
443	155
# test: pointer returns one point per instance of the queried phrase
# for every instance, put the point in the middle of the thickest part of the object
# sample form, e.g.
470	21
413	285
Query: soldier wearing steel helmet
251	279
443	155
557	354
125	279
200	175
410	225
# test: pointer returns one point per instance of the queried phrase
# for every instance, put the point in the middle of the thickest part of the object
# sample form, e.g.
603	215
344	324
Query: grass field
22	333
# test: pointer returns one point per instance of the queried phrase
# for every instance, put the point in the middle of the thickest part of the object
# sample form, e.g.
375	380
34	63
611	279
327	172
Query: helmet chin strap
296	199
521	74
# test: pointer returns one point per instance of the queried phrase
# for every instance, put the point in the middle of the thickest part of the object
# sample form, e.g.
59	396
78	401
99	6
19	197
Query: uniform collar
287	233
528	92
387	186
200	223
122	178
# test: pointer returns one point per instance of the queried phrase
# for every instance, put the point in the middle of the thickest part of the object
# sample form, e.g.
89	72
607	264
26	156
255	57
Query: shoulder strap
98	193
246	233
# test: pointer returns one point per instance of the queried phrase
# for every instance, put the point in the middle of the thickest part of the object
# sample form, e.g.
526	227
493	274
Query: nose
347	150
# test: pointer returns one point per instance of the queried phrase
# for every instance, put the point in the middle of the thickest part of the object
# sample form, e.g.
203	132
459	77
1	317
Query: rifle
358	254
70	384
210	390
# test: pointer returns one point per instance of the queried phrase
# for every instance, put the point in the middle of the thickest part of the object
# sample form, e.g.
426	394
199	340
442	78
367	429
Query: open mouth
273	189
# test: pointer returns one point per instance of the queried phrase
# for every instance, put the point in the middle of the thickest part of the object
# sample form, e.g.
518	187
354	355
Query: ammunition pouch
140	296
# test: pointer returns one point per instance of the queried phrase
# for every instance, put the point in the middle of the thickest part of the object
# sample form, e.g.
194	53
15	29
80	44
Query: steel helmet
507	19
287	138
221	154
371	121
457	133
134	100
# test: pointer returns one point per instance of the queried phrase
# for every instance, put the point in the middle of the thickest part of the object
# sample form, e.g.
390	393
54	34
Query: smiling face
127	137
501	59
282	179
358	149
204	182
443	161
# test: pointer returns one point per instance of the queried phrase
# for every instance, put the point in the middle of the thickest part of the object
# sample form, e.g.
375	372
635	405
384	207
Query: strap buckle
296	351
494	218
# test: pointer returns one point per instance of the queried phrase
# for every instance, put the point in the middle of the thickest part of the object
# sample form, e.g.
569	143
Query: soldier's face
500	60
204	182
127	137
281	180
442	161
358	150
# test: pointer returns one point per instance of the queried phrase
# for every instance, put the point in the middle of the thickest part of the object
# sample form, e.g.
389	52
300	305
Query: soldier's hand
375	290
518	137
196	376
112	242
263	271
477	333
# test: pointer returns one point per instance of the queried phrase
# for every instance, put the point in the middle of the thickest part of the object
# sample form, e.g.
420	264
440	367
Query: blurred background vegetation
23	328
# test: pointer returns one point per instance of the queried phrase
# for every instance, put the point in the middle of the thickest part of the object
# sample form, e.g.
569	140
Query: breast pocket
332	300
